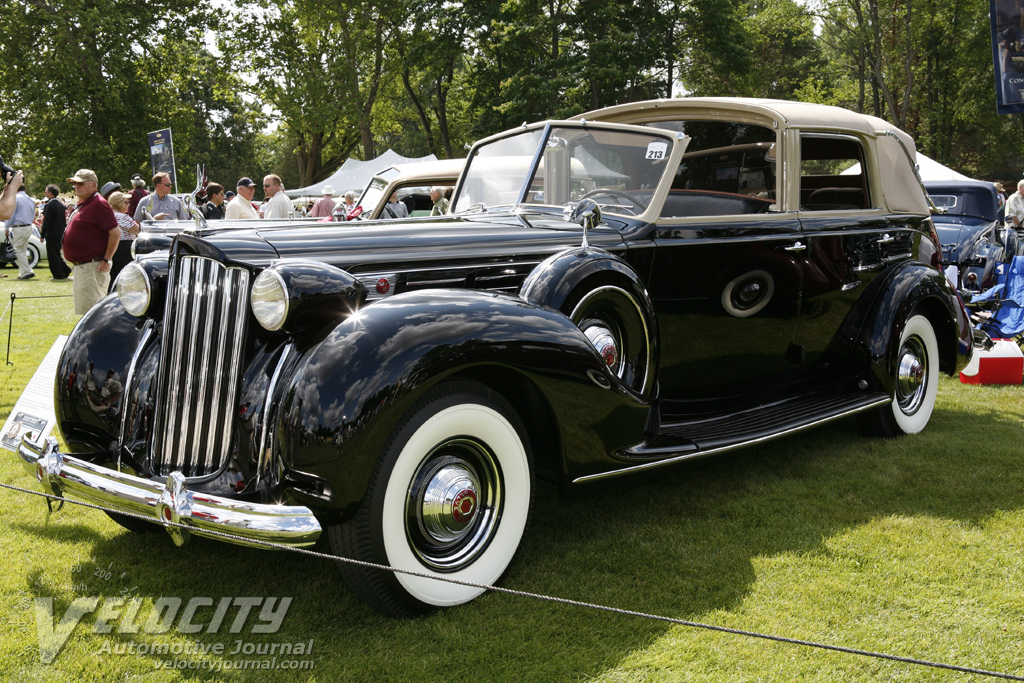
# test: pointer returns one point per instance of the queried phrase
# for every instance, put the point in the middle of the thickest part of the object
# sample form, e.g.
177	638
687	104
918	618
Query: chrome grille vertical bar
239	283
211	281
190	367
173	321
217	402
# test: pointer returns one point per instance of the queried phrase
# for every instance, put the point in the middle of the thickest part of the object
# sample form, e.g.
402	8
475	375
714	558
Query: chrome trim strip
60	474
263	455
147	333
437	269
721	449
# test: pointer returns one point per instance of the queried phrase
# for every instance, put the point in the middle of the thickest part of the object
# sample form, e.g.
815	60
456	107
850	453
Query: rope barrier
540	596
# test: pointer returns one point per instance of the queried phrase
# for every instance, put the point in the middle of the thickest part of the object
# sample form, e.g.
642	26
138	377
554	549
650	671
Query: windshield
372	194
619	169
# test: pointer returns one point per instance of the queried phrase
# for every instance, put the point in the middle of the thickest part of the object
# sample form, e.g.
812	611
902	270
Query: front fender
91	376
347	394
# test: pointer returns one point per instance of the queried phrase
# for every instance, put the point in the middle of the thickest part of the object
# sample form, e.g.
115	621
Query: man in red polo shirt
90	242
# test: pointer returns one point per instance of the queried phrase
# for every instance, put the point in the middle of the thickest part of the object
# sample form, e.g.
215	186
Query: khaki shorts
90	285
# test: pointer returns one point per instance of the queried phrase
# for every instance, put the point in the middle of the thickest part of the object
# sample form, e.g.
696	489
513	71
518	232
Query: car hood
369	246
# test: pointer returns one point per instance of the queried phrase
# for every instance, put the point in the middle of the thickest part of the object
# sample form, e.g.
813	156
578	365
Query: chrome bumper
200	513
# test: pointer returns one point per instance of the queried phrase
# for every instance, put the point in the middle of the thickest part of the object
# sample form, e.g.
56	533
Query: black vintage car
639	286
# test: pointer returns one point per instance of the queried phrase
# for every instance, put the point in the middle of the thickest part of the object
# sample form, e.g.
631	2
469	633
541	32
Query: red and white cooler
1002	364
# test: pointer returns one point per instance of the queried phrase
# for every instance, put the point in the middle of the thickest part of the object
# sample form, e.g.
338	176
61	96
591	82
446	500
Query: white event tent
355	174
927	167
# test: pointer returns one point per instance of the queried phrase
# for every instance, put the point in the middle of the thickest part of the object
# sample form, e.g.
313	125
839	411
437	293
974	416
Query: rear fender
914	287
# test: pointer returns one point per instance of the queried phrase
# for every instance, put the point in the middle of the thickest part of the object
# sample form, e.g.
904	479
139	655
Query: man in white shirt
240	206
1015	206
277	205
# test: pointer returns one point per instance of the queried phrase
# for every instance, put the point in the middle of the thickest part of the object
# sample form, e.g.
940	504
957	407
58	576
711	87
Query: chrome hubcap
453	506
911	376
604	341
450	502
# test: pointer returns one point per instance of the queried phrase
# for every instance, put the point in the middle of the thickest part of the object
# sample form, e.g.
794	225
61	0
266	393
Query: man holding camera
7	196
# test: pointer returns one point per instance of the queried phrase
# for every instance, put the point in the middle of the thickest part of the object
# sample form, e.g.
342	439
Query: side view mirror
587	213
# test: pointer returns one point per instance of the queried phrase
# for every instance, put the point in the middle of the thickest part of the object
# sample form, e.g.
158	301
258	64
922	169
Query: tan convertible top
900	187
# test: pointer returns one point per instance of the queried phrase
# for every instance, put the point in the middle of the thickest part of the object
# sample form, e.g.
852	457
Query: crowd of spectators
89	241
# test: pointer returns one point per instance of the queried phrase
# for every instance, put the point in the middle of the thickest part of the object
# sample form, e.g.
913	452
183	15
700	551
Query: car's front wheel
916	374
450	498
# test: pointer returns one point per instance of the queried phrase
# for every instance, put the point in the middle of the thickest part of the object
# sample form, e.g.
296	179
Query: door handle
886	238
799	246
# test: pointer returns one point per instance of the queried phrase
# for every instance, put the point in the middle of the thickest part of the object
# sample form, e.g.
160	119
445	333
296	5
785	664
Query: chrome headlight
134	289
269	299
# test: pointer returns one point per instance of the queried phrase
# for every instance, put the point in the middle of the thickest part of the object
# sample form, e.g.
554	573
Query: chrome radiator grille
200	365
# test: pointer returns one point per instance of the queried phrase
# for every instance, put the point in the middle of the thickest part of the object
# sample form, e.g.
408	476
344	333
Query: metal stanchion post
10	324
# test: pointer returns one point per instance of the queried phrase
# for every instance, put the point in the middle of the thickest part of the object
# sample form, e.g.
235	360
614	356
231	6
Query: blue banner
161	154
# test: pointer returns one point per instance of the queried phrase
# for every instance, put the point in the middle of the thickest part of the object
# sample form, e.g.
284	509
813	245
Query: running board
687	440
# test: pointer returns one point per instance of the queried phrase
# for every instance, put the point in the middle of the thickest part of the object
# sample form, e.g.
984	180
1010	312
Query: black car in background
972	236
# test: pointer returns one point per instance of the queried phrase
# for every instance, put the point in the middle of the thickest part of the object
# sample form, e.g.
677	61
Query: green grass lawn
911	547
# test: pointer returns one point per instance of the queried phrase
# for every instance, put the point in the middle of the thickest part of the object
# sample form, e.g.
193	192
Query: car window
832	174
728	168
944	201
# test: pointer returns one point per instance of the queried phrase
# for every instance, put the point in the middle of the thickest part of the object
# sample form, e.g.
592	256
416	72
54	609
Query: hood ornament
192	200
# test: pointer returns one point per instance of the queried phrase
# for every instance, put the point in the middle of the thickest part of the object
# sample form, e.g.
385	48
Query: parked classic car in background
642	285
412	182
970	232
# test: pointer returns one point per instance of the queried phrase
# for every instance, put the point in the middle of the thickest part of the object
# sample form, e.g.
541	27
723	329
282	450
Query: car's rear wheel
450	498
916	374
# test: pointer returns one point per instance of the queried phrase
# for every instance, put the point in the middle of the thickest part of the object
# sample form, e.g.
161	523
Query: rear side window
832	174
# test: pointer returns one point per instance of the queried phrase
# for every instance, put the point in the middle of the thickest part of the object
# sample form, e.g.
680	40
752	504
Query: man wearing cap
324	206
277	205
240	207
162	205
138	192
90	242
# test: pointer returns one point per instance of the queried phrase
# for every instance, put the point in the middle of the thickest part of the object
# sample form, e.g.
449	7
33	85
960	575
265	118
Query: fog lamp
269	300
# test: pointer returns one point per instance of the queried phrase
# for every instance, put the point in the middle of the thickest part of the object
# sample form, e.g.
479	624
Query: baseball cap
245	182
84	175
